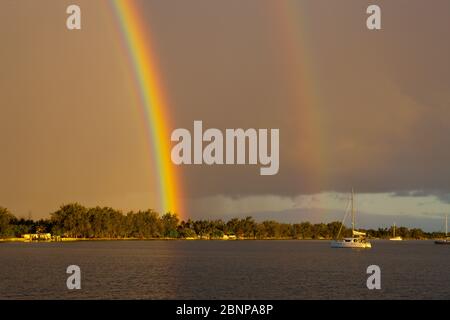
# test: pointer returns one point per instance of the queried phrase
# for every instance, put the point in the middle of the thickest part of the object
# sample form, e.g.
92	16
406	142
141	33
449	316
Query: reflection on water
223	270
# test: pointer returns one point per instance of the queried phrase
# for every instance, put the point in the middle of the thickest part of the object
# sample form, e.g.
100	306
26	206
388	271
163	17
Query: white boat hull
350	244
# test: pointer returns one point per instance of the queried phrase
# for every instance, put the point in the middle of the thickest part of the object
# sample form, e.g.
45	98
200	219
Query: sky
356	108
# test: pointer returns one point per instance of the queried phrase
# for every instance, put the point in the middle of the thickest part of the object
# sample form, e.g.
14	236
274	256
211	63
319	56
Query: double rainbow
138	41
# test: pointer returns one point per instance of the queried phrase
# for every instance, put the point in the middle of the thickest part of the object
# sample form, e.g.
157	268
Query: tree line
76	221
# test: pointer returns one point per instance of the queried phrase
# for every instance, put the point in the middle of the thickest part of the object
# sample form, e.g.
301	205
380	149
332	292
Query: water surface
223	270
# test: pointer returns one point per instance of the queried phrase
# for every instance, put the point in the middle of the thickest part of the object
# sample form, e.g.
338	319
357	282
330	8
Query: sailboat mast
353	216
394	229
446	224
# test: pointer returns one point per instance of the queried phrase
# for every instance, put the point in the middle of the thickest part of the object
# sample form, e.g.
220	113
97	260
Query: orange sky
71	130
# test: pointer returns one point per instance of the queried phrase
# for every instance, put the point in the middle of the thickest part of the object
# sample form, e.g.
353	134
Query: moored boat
358	239
446	240
395	238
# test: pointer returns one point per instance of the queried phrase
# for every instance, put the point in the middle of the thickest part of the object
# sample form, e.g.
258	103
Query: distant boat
446	240
395	238
358	239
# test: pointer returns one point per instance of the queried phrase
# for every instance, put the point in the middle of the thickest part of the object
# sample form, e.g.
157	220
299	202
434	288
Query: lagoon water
223	270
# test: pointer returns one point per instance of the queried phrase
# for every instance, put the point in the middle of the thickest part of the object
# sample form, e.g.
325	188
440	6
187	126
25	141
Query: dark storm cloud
441	195
383	97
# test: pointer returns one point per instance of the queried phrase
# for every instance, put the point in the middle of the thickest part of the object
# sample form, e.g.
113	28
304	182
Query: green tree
333	229
6	228
305	230
68	220
272	228
417	234
170	223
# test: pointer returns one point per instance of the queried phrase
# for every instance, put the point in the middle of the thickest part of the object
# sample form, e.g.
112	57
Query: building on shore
229	237
37	237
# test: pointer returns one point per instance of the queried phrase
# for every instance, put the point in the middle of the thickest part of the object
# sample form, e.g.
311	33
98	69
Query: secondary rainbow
138	41
292	18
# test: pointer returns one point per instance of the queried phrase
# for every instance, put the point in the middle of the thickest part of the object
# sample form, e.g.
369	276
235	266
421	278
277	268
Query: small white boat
447	239
395	238
358	239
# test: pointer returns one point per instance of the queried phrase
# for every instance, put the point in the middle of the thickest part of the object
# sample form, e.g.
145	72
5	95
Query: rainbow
292	22
138	42
142	56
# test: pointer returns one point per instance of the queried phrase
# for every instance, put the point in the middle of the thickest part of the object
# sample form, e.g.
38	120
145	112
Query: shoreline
183	239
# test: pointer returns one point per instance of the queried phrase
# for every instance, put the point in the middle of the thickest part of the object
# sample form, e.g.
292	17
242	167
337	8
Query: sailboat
446	240
394	238
358	239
